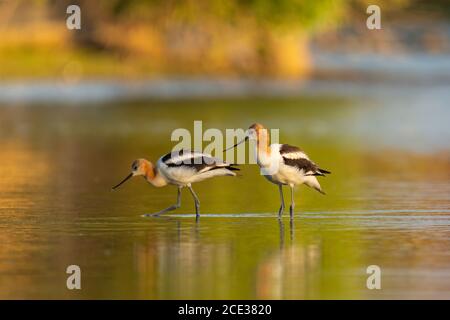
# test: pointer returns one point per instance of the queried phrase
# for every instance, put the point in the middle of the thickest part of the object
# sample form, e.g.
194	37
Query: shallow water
387	203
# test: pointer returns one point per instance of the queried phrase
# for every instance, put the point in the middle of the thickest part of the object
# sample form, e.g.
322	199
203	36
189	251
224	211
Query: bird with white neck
283	164
180	168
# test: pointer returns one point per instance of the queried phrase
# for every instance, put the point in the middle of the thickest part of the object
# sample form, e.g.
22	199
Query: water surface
388	202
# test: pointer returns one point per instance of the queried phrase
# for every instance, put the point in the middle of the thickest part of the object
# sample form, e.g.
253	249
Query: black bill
123	181
238	143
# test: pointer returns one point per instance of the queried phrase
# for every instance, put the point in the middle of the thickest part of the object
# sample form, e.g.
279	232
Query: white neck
155	178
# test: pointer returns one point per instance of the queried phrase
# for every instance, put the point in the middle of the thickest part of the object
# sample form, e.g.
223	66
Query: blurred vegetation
137	38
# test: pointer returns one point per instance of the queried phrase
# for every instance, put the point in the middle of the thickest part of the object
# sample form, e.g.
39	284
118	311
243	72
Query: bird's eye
135	168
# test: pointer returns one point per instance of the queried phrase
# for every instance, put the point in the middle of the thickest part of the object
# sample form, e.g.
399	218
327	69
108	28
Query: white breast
277	172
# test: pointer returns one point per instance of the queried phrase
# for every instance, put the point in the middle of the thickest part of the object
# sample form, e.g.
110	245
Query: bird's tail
231	168
321	191
312	182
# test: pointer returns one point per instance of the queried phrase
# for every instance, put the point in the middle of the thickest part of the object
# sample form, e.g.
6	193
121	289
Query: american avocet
283	164
180	168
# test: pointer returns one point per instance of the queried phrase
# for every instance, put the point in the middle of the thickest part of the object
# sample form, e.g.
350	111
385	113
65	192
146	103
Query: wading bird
283	164
180	168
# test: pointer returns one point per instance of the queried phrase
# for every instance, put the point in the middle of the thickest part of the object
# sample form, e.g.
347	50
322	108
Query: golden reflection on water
291	272
384	207
21	168
22	171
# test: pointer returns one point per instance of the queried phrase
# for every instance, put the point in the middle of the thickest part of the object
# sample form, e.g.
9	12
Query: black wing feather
306	165
197	161
287	148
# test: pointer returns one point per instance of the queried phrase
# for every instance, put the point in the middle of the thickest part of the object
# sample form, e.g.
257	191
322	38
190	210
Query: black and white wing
296	157
194	160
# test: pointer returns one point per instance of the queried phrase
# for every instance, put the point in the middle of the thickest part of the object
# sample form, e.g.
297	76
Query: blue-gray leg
172	207
291	208
196	200
280	211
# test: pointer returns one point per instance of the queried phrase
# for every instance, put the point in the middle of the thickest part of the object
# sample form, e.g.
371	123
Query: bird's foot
151	215
157	214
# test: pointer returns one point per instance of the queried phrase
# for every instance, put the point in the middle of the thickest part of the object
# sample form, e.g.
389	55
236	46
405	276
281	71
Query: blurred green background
144	38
